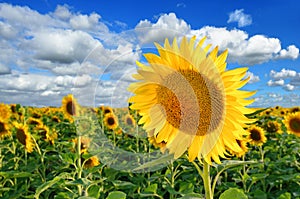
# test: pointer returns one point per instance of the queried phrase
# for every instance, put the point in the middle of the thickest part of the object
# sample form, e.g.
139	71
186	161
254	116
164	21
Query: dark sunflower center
21	136
191	102
111	121
2	127
107	111
295	124
255	135
129	121
71	108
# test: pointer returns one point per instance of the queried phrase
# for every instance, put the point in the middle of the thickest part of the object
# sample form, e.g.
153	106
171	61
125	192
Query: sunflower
34	121
243	144
84	143
91	162
111	121
24	137
292	123
256	135
191	101
107	110
294	109
4	128
70	107
129	120
273	127
5	111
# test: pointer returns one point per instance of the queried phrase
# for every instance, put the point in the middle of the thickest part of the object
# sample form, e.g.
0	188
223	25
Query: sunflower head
244	149
4	129
129	120
292	123
70	107
24	137
190	102
256	135
5	111
111	121
273	127
91	162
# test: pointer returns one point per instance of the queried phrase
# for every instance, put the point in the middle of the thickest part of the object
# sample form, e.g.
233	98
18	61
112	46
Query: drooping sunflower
292	123
24	137
70	107
4	128
5	111
243	144
129	120
190	101
91	162
111	121
256	135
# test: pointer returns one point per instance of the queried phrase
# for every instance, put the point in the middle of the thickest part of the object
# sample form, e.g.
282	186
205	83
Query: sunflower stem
79	166
206	180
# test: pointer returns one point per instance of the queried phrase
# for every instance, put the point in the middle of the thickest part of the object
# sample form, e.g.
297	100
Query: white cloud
284	73
292	52
253	78
4	69
289	87
85	22
275	83
62	12
240	17
167	26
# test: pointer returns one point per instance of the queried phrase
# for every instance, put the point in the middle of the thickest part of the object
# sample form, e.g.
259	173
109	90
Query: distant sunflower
256	135
34	121
294	109
111	121
243	144
70	107
273	127
191	101
91	162
129	120
5	111
4	128
292	123
24	137
43	131
107	110
84	143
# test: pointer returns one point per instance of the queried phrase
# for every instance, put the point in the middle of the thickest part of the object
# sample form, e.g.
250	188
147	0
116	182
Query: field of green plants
102	152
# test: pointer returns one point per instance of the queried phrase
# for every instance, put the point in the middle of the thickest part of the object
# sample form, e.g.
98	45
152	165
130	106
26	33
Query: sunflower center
110	121
2	127
295	124
191	102
21	136
255	135
71	108
129	121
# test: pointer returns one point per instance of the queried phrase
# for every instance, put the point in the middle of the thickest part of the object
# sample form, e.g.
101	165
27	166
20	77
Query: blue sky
51	48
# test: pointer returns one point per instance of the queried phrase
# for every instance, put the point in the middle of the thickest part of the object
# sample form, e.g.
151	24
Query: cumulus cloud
240	17
253	78
4	69
276	83
292	52
288	79
284	73
167	26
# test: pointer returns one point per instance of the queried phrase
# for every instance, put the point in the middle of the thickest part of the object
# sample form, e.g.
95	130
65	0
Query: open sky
51	48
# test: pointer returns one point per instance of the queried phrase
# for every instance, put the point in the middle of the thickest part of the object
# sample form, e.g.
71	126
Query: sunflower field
54	152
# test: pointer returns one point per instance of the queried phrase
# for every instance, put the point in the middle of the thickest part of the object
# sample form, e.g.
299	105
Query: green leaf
15	174
46	186
285	195
234	163
163	160
94	191
152	188
233	193
186	187
260	194
123	184
192	196
116	195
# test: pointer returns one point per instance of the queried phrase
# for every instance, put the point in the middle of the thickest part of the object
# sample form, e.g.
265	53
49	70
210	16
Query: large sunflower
188	100
24	136
111	121
70	107
292	123
256	135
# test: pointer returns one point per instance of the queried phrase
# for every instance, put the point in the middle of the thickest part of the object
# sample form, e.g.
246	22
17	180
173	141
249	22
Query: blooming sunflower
111	121
243	144
4	128
190	101
129	120
91	162
5	111
24	137
273	127
70	107
292	123
256	135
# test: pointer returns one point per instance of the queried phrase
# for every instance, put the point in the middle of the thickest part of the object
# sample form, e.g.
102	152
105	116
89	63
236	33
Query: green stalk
79	166
207	180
